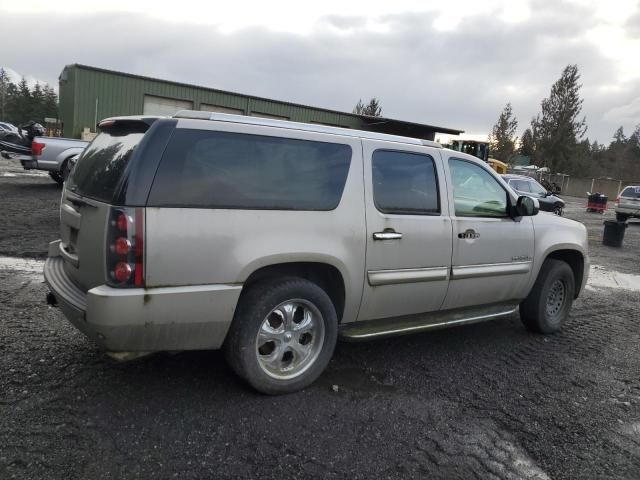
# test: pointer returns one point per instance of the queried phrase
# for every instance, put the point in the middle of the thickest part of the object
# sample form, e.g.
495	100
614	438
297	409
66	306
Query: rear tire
65	170
557	209
61	175
283	335
621	217
55	176
549	302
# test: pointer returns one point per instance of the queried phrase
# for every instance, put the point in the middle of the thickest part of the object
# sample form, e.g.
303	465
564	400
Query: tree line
556	138
19	103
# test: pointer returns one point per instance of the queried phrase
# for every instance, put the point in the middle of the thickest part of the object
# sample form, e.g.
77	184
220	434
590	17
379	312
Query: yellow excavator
478	149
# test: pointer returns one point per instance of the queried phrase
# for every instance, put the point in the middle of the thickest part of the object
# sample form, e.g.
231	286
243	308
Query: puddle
25	266
601	277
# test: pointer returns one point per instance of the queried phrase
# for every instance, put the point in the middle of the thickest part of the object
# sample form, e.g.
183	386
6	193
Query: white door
162	106
492	252
408	231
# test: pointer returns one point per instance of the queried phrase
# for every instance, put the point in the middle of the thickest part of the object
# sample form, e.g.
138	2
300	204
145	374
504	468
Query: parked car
53	155
8	127
628	203
269	239
524	185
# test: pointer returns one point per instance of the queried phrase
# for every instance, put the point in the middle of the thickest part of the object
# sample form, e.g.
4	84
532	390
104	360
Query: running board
387	327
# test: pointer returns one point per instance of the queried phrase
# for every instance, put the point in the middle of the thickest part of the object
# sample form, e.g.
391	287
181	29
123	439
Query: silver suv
271	239
628	203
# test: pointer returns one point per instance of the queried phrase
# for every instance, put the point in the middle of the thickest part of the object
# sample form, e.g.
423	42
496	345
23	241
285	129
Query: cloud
421	70
632	25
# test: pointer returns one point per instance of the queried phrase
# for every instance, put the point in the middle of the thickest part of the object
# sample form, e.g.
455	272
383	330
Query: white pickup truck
54	155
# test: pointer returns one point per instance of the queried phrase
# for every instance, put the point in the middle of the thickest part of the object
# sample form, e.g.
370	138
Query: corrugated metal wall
120	94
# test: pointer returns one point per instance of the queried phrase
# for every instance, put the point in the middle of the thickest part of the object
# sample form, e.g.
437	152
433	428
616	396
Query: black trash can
613	233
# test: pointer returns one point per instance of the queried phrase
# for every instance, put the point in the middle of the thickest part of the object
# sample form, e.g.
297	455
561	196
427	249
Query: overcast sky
452	63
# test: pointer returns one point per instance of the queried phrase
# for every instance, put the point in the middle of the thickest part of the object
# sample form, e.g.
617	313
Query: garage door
164	106
217	108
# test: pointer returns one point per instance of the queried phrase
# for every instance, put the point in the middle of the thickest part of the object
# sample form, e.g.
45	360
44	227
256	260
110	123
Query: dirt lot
483	401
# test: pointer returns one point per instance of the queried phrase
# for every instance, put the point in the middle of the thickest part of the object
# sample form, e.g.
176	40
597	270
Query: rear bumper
28	163
628	210
145	320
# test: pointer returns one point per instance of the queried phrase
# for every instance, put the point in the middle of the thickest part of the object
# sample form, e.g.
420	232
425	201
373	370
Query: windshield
537	188
102	163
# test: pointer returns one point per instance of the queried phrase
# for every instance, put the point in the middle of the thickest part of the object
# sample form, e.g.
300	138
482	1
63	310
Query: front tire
557	209
283	335
549	302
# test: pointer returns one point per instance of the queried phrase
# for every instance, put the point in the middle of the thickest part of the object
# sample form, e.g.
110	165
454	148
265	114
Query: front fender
555	234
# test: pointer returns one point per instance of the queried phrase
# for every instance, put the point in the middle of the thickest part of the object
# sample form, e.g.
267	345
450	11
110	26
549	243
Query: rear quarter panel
57	150
194	246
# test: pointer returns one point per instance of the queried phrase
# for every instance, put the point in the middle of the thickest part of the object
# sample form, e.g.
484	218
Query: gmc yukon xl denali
271	239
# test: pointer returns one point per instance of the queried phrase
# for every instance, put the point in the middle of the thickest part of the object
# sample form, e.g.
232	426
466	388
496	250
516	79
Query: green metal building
89	94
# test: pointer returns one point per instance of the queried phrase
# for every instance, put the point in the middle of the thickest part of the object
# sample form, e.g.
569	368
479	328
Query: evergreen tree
4	92
558	126
19	103
37	102
50	103
371	109
619	136
23	104
502	136
527	143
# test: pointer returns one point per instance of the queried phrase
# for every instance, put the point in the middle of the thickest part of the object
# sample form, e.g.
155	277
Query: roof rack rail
307	127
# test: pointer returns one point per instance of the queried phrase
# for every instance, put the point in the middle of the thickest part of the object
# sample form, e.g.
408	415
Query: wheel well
66	160
324	275
575	261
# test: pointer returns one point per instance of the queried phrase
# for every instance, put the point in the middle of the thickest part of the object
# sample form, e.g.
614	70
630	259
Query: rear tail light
125	247
618	200
37	148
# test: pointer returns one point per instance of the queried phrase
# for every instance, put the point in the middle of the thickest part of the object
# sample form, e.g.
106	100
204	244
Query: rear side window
631	192
101	165
205	169
404	183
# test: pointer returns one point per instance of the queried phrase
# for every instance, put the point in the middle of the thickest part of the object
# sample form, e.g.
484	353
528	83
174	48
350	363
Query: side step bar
387	327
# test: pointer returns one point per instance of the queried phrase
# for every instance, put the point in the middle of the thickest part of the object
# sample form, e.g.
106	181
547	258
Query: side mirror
526	207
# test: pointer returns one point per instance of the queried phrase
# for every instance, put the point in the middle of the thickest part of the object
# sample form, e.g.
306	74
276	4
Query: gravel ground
482	401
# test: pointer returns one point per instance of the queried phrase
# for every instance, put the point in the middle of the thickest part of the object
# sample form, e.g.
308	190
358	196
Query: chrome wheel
557	211
556	298
290	339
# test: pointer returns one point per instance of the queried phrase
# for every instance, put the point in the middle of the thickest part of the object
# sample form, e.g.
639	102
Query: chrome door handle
387	236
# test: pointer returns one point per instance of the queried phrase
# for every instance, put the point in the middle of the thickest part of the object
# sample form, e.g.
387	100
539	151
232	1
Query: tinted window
100	167
205	169
476	192
404	183
631	192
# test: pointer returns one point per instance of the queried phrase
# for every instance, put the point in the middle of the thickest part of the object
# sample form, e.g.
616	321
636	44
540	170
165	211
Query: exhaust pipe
51	299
